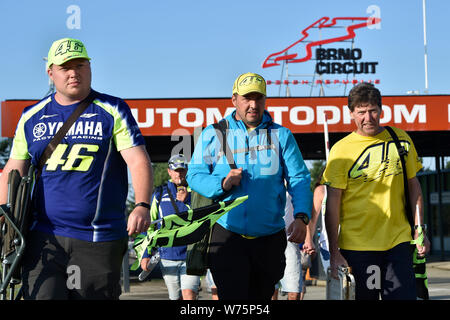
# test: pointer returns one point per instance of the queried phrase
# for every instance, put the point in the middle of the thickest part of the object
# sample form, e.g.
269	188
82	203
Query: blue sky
165	49
182	49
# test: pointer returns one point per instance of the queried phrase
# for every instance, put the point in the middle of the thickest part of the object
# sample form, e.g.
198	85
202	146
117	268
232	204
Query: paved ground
438	283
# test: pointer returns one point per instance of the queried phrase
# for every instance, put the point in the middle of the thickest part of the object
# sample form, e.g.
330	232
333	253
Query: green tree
316	170
5	149
160	176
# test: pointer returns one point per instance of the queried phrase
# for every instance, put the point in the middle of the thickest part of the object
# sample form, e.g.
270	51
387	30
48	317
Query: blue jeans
176	279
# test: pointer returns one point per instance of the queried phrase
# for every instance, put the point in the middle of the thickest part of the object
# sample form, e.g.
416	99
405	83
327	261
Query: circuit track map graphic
305	53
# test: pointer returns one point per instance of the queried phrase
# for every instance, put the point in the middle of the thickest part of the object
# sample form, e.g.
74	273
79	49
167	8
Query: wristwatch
142	204
303	216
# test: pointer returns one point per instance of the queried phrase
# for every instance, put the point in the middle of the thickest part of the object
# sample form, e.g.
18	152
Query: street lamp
425	45
51	85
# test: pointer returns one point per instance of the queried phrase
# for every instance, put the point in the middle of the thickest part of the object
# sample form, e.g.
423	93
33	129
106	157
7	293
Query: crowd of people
79	196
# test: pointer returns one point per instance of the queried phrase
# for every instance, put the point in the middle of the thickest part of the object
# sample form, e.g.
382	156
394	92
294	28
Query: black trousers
246	269
386	274
61	268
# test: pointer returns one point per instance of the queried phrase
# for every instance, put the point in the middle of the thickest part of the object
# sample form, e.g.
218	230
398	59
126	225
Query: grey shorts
292	280
176	279
61	268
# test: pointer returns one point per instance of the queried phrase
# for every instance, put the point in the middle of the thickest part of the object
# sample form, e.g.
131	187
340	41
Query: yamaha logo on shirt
39	130
92	130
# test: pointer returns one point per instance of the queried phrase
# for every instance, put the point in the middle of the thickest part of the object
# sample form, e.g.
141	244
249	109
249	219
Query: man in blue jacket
247	245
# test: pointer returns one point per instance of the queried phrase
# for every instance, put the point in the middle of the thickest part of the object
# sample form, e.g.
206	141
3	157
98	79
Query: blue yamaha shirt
83	187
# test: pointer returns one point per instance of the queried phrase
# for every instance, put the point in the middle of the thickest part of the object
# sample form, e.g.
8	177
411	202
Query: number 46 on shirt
77	159
378	159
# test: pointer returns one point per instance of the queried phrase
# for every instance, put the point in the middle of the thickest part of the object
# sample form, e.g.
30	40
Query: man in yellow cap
246	254
79	233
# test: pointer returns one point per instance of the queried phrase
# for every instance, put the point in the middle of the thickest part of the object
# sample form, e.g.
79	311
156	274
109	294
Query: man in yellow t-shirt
366	222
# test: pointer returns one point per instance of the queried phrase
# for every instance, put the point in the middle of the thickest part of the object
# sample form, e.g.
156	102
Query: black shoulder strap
158	193
63	130
222	126
269	137
172	200
402	153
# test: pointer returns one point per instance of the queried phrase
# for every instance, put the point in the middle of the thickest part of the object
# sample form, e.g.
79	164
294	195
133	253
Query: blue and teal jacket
270	159
161	206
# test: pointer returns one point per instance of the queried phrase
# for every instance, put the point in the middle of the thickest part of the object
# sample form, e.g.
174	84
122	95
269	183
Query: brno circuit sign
329	60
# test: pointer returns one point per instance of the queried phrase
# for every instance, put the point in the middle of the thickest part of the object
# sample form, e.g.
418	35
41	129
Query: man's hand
233	178
309	246
337	260
425	248
297	231
181	193
138	221
144	264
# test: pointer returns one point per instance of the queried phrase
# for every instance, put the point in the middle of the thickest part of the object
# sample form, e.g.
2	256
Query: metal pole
281	76
126	272
288	92
51	85
425	45
325	134
321	90
440	215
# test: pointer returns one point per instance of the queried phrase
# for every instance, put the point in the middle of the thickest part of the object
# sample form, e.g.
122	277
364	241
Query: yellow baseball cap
249	82
64	50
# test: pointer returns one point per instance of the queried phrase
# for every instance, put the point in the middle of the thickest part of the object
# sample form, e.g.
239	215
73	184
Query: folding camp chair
16	215
342	288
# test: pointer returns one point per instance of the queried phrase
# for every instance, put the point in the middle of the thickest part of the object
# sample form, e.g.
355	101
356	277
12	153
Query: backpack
197	253
197	200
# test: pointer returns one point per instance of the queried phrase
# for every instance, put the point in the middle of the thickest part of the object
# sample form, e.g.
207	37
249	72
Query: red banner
165	117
